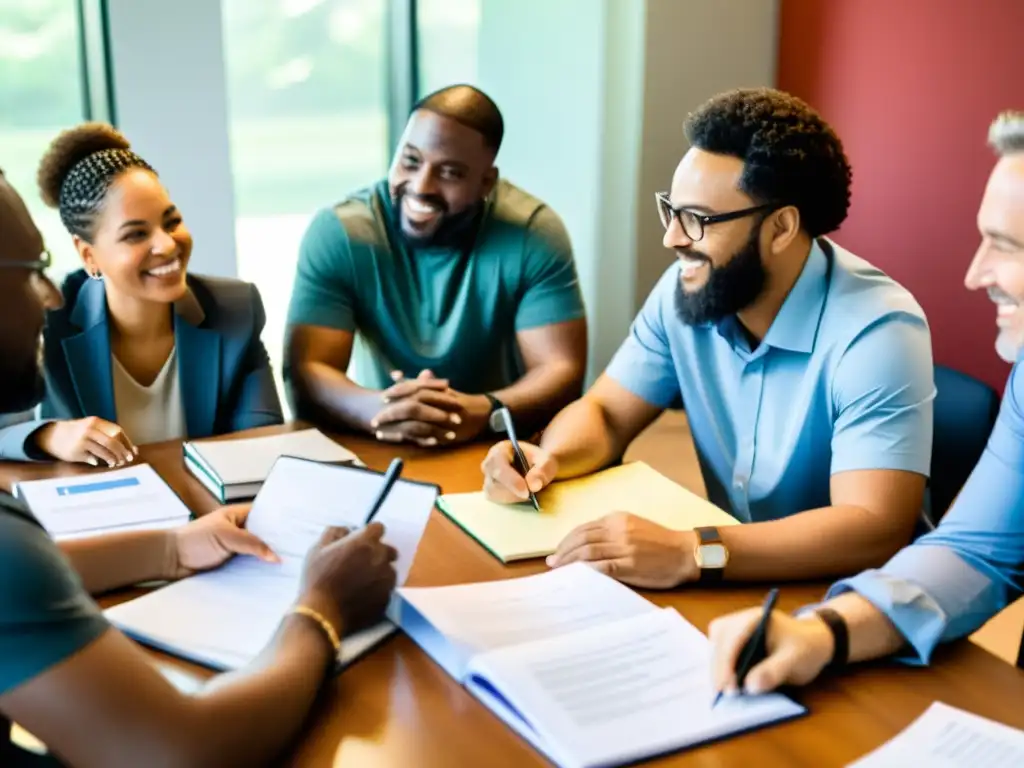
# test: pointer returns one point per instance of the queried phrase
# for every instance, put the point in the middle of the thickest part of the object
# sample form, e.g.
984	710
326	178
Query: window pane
307	113
40	95
447	38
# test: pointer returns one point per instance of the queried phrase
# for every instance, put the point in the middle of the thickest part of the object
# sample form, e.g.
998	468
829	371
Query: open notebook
582	667
223	618
517	531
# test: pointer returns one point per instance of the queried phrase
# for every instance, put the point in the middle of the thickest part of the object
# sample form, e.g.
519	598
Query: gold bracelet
329	630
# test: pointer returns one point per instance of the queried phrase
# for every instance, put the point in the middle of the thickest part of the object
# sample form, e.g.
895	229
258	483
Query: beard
453	231
22	385
1007	347
729	289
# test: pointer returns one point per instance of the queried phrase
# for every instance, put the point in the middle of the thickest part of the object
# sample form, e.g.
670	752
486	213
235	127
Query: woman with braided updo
141	351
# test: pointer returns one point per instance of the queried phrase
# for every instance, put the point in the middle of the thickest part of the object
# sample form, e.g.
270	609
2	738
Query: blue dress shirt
952	580
843	380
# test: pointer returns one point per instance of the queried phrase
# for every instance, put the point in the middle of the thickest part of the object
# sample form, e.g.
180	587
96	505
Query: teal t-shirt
45	613
454	311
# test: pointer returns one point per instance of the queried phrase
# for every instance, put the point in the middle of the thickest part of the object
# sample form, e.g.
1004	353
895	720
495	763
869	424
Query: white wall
594	94
171	102
694	50
545	65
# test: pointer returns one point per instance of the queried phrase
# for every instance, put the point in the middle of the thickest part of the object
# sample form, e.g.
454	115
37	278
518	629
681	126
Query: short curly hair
77	170
790	154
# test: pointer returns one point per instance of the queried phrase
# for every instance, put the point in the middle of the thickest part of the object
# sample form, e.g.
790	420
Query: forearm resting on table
271	697
120	559
329	391
542	392
820	543
108	706
582	439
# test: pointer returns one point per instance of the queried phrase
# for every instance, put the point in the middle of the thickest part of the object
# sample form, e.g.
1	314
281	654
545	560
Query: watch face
712	556
496	421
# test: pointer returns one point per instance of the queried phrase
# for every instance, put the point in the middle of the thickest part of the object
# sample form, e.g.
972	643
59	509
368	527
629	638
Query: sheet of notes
130	499
623	691
495	614
947	737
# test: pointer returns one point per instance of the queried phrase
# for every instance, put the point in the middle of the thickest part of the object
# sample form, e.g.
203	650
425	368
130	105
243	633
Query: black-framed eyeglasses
693	223
40	265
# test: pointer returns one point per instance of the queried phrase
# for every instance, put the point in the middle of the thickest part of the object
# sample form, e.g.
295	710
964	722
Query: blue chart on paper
96	487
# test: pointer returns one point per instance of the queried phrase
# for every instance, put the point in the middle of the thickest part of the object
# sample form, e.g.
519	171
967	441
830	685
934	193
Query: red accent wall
911	87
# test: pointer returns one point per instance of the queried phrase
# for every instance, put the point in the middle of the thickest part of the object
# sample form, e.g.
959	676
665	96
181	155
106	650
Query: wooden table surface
395	707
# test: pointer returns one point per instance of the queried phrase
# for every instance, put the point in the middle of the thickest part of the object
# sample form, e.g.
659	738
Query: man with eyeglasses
955	578
805	372
82	687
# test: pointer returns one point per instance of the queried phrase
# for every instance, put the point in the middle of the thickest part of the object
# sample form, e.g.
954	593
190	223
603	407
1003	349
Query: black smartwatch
496	405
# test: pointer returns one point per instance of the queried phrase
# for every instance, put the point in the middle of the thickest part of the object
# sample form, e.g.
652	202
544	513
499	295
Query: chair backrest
965	413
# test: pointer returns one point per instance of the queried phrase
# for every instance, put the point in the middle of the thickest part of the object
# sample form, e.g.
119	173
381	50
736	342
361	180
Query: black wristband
840	637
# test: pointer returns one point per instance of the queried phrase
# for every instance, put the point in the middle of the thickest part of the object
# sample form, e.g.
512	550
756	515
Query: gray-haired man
949	582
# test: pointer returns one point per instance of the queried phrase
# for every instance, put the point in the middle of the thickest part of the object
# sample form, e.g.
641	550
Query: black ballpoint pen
390	476
755	649
524	466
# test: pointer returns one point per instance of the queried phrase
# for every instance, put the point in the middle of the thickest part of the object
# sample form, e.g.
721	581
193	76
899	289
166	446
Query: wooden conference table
395	707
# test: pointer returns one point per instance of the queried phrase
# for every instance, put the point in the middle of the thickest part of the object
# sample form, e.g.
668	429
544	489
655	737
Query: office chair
965	412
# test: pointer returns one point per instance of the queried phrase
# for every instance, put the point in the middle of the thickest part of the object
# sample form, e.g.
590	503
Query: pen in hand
524	466
755	649
390	476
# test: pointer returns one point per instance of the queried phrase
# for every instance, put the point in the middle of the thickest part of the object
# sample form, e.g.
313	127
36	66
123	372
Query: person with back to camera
141	351
81	686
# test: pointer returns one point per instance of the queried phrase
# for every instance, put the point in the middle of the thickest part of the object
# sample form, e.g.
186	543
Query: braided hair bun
78	168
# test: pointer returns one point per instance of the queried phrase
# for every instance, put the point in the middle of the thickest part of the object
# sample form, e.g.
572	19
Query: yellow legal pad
518	531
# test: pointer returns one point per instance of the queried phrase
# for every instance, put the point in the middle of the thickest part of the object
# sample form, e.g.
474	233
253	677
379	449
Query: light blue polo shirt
843	380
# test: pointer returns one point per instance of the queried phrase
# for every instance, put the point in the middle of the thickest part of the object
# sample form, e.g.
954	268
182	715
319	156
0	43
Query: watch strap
711	576
709	535
840	636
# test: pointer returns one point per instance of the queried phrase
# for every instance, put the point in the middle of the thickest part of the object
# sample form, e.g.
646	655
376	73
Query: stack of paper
132	499
947	737
586	670
235	469
224	618
518	531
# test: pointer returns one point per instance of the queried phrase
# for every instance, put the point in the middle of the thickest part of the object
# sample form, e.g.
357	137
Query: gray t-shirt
45	613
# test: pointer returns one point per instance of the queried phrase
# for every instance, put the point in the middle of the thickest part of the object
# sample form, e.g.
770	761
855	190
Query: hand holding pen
755	649
772	648
348	575
515	472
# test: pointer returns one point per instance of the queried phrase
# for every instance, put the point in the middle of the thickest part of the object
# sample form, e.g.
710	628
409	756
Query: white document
582	667
223	618
623	692
134	498
474	618
251	459
947	737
